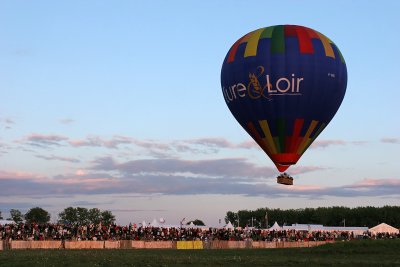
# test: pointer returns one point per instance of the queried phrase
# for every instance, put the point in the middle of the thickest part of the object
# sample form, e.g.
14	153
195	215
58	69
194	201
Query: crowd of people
133	232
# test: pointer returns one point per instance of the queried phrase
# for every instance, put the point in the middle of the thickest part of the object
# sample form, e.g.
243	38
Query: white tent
3	222
275	227
154	223
320	227
383	228
229	226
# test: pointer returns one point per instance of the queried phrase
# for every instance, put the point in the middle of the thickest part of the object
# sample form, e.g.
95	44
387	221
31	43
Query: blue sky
117	105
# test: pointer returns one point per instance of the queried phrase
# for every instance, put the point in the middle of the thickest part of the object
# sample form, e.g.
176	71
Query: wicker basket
285	180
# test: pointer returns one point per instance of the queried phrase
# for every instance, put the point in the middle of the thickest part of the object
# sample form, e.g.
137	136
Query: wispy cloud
23	51
326	143
20	175
138	210
305	169
227	167
83	203
164	149
96	141
220	143
391	140
156	178
66	121
45	141
7	123
4	148
53	157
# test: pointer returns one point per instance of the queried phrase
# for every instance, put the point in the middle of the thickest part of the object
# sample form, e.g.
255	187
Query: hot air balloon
284	84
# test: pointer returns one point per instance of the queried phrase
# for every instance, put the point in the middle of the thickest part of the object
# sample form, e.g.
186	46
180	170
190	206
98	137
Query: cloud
220	143
7	122
365	188
4	148
45	141
150	148
210	145
82	203
326	143
22	206
390	140
372	183
53	157
23	51
66	121
163	178
19	175
295	170
95	141
138	210
164	149
227	167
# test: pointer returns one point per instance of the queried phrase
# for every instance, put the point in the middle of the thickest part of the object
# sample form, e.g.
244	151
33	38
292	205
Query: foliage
37	215
82	216
16	215
107	217
196	222
94	216
1	217
68	216
328	216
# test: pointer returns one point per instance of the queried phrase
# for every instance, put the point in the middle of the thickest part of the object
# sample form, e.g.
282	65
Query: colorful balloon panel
284	84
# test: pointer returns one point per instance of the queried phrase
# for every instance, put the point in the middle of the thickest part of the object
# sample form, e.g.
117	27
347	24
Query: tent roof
384	228
229	226
154	223
275	227
3	222
320	227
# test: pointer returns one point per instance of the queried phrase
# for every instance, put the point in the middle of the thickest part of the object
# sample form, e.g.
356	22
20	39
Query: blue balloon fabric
284	84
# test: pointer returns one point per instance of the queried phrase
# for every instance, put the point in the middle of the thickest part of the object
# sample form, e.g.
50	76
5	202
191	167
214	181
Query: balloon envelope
284	84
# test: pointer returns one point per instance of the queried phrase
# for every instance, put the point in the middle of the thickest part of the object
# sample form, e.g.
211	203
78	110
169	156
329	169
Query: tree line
70	215
329	216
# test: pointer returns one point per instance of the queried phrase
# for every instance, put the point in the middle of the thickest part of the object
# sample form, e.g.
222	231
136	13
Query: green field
354	253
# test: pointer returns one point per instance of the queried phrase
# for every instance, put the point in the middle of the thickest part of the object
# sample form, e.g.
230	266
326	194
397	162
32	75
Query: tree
37	215
230	217
73	215
328	216
107	217
16	216
1	217
196	222
94	216
68	216
83	215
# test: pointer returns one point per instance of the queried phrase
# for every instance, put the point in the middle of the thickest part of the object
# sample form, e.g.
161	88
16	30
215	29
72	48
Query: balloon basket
284	179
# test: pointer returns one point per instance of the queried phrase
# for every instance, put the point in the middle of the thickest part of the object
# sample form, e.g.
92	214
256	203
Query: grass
354	253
